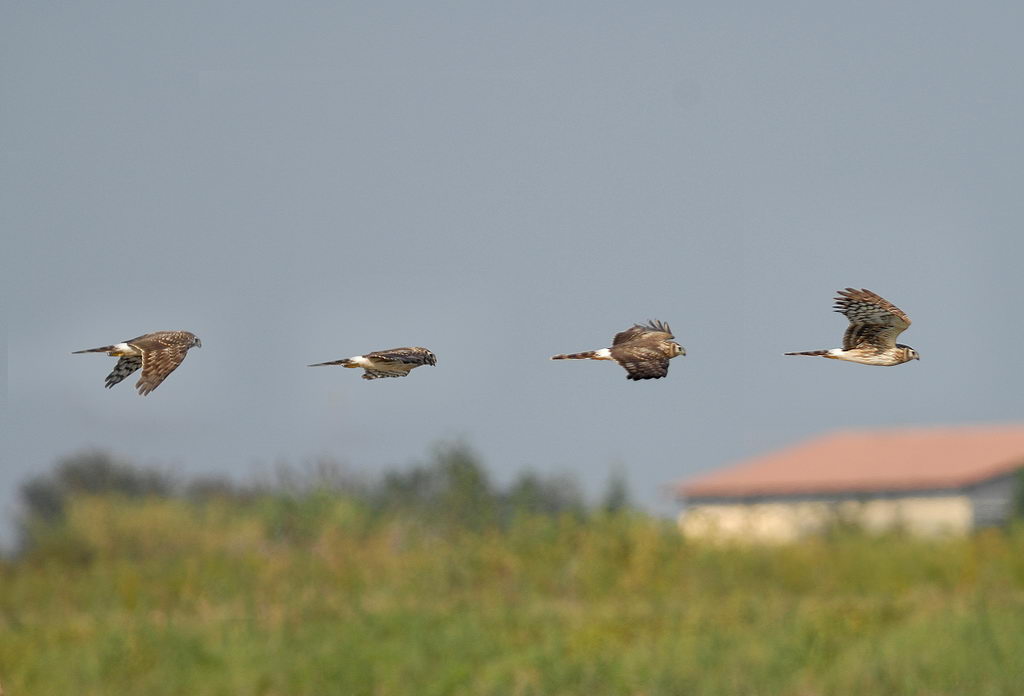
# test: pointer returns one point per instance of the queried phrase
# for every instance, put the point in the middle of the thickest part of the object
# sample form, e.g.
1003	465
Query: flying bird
394	362
158	354
643	350
875	323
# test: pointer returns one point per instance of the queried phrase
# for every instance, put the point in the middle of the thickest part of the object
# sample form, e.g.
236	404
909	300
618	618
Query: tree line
451	488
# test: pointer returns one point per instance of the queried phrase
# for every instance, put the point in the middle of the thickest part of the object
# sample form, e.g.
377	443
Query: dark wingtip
656	325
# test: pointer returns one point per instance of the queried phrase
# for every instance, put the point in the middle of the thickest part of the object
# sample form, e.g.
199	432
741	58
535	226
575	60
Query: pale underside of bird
394	362
157	354
870	339
643	350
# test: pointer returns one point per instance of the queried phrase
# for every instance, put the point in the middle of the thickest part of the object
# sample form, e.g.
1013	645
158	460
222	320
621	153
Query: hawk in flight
395	362
875	323
158	354
643	350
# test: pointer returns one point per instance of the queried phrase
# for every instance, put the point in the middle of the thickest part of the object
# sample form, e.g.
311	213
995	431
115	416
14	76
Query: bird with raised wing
870	339
158	354
394	362
643	351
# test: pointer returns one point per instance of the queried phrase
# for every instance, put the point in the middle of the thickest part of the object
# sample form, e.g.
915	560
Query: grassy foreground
320	595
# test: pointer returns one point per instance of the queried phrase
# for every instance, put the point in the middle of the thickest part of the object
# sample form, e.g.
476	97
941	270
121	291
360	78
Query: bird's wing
162	352
648	361
653	330
413	356
873	320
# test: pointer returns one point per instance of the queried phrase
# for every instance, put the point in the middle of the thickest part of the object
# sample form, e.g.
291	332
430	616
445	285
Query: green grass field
319	594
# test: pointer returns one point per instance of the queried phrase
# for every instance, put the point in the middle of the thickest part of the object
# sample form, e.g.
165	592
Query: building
926	481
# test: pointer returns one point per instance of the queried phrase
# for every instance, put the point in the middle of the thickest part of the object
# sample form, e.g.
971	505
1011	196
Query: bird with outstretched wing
870	339
643	350
157	354
394	362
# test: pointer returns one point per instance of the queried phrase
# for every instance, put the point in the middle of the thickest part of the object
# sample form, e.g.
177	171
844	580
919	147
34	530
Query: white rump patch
603	354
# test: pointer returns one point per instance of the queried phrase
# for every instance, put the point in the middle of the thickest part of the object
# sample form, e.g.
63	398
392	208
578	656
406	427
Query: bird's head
908	352
677	349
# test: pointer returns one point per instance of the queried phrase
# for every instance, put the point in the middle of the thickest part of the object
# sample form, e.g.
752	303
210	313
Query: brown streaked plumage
870	339
394	362
643	350
158	354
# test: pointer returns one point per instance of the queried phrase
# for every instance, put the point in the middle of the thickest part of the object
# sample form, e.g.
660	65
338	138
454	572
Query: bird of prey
394	362
158	354
875	323
643	350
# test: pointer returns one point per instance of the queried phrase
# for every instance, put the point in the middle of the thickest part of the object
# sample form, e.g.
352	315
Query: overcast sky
297	183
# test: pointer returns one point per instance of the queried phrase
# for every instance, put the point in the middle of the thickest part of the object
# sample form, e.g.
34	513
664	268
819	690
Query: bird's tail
345	362
602	354
104	349
809	352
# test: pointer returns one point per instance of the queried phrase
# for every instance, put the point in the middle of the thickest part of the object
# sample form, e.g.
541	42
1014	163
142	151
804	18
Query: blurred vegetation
452	489
435	580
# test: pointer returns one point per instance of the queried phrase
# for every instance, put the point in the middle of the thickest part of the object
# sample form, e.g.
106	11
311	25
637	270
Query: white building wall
780	521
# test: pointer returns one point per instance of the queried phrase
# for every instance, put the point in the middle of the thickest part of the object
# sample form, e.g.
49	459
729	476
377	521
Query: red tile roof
874	460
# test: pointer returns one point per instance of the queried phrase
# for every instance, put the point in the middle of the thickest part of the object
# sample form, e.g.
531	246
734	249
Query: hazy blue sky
299	182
